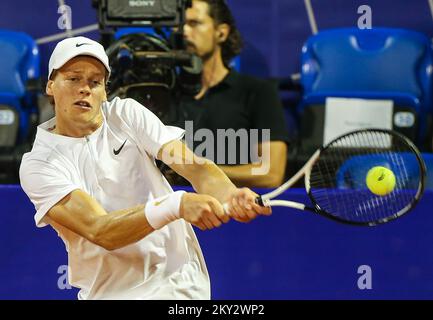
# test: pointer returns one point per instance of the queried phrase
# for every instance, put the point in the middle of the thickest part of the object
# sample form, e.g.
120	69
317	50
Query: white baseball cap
69	48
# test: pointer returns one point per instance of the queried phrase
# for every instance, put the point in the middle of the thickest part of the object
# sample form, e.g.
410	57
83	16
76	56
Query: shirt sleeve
268	111
150	132
45	185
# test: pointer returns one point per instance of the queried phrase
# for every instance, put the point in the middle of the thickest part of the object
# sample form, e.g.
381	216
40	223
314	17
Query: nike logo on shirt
82	44
116	152
157	203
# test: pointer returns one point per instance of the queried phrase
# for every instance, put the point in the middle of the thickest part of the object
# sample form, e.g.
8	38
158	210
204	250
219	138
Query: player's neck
69	128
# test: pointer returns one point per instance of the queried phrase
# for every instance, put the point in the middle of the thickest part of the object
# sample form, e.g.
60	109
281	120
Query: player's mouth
83	105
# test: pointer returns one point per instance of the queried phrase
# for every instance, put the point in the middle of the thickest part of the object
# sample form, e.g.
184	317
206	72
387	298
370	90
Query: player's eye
193	23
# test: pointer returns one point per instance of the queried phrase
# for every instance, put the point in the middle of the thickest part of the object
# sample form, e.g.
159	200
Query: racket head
336	183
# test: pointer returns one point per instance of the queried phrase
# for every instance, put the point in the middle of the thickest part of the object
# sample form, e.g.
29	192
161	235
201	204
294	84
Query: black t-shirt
238	102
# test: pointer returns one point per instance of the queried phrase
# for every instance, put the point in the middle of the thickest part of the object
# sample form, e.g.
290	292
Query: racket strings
338	178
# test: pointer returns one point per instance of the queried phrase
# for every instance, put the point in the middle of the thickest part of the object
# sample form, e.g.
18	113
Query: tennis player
91	175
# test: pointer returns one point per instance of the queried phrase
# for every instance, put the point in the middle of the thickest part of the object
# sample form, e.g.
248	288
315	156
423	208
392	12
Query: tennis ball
380	180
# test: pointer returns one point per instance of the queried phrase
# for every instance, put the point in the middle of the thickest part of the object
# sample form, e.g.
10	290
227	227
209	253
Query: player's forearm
203	174
210	179
121	228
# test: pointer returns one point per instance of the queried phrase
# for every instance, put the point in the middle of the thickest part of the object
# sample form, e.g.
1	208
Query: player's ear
104	98
106	82
223	31
48	88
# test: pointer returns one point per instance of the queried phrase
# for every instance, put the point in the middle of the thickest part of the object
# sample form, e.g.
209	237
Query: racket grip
259	201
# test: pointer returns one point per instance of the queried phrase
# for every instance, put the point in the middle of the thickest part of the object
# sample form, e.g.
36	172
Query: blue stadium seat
19	87
378	63
19	65
236	63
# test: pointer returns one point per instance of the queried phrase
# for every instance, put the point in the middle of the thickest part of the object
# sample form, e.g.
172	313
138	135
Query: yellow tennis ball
380	180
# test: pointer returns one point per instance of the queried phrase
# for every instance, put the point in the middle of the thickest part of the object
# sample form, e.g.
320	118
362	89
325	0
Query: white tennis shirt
115	165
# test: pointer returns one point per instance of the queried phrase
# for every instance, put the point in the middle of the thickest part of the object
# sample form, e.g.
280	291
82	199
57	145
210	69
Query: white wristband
163	210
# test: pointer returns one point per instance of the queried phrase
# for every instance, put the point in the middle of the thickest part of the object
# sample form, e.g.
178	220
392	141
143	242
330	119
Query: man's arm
207	178
82	214
269	173
203	174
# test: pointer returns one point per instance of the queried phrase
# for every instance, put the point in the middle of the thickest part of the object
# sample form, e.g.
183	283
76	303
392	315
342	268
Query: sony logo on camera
132	13
142	3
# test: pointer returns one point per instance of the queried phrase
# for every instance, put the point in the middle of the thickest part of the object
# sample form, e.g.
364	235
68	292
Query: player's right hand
203	211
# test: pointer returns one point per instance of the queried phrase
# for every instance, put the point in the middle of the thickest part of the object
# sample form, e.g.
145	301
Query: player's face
78	89
200	31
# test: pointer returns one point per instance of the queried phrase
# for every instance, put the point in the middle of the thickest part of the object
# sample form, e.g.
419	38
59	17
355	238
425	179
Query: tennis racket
335	178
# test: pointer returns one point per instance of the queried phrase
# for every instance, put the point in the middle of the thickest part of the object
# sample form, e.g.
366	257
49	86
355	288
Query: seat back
378	63
370	60
19	63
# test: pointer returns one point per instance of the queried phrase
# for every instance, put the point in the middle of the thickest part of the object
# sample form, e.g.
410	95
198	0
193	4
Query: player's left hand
242	206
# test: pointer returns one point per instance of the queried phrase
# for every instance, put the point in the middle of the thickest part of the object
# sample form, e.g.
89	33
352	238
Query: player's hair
220	13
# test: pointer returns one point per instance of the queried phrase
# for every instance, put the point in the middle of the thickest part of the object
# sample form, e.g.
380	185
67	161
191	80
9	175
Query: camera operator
229	100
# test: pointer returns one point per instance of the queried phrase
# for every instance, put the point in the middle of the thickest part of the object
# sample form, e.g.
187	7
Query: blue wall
274	30
290	255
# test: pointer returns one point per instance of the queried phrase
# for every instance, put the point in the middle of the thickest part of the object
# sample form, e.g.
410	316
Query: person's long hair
220	13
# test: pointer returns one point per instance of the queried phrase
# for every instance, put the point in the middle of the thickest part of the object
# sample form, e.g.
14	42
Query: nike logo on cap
82	44
116	152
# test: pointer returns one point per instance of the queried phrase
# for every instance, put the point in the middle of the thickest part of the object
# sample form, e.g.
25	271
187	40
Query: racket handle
258	200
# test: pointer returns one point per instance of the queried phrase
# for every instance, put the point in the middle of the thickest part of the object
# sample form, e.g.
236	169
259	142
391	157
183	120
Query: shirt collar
230	79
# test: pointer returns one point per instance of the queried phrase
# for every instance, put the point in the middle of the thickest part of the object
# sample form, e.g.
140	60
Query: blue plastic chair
378	63
19	63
